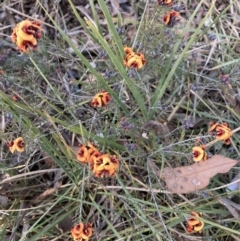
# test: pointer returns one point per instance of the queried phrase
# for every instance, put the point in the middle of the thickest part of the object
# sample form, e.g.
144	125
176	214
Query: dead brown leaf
44	195
50	191
195	177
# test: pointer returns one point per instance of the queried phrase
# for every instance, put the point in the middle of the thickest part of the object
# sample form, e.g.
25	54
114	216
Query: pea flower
105	165
132	59
171	18
25	35
199	153
194	225
222	132
15	97
135	62
165	2
12	146
128	50
16	145
87	152
101	99
82	232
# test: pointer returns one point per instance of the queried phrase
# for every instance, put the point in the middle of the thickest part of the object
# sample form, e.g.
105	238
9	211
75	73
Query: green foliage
166	105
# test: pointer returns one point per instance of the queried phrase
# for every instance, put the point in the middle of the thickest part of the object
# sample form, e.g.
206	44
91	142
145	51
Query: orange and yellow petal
97	101
135	62
222	131
101	99
198	227
19	142
171	18
91	147
16	145
88	230
14	36
213	126
193	222
165	2
86	153
141	56
83	155
106	98
105	165
94	154
194	225
199	153
128	50
132	59
82	232
25	35
12	146
189	228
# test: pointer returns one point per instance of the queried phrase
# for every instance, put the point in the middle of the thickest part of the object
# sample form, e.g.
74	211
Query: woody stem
236	130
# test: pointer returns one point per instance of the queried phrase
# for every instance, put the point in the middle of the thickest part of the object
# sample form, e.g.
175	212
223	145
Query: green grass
171	100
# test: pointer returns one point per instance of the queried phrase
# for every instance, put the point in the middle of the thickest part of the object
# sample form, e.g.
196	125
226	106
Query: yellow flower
105	165
132	59
128	50
86	153
19	144
165	2
199	153
11	146
194	225
141	56
16	145
222	132
101	99
82	232
25	35
135	62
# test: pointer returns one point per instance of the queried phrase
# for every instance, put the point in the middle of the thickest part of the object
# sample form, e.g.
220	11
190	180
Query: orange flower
132	59
101	99
222	131
165	2
15	97
194	225
128	56
171	18
25	35
16	145
213	126
86	153
105	165
19	144
199	153
12	146
141	56
128	50
134	62
82	232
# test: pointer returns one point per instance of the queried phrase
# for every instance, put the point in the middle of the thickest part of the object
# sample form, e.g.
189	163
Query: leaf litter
187	179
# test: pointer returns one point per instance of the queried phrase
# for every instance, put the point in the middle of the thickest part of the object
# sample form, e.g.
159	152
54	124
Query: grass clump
97	120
